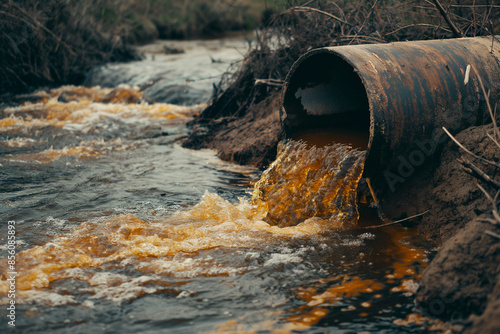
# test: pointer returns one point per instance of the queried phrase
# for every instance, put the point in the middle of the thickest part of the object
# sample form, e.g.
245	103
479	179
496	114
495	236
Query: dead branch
493	234
490	110
489	220
493	201
456	31
493	140
364	22
417	25
364	37
303	9
397	221
477	173
51	44
486	161
269	82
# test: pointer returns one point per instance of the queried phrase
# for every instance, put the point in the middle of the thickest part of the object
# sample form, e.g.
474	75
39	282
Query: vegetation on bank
145	20
57	41
51	44
311	24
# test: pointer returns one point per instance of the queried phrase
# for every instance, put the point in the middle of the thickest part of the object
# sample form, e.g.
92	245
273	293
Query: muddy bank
248	140
461	283
443	190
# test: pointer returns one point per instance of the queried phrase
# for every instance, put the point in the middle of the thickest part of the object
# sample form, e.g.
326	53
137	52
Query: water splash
85	122
295	245
77	108
161	247
311	183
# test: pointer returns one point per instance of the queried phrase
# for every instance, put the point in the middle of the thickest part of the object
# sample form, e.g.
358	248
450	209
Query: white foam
352	242
367	236
44	297
126	291
278	258
410	286
107	278
88	304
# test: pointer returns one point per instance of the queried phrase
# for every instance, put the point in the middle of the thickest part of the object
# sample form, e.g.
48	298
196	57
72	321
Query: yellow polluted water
85	111
155	245
309	182
82	107
293	253
87	149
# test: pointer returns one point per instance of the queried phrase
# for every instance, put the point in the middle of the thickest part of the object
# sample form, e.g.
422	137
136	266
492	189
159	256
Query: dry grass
56	41
51	44
314	24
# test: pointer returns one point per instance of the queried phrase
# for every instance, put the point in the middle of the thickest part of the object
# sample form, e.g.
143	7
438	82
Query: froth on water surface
120	229
76	121
218	267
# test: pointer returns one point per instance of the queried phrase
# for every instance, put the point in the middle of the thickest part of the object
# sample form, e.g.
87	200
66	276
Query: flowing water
180	72
119	229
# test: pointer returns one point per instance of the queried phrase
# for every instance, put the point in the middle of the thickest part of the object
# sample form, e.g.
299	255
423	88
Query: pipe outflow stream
400	94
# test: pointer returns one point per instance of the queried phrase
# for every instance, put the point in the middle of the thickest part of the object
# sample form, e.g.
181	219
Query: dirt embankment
248	140
462	282
443	190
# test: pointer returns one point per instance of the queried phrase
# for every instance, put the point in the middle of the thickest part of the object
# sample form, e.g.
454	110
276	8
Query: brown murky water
119	229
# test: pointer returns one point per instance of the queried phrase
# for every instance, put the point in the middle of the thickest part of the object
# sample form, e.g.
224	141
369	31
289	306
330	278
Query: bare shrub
313	24
51	44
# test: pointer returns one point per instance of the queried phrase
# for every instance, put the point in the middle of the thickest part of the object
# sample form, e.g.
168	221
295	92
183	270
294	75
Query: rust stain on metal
412	89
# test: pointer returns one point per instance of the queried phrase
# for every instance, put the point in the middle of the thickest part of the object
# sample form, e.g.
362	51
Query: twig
490	110
37	24
477	173
307	3
456	31
486	161
494	140
311	9
397	221
372	191
493	234
477	6
417	25
492	34
489	220
496	215
474	15
376	39
364	22
269	82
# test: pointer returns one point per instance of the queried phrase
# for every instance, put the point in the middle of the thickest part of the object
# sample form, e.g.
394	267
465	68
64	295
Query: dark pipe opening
326	102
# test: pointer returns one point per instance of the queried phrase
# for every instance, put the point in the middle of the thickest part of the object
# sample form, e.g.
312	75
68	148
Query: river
120	229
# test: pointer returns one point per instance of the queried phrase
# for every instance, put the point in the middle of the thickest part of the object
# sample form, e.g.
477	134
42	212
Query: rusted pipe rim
411	90
329	52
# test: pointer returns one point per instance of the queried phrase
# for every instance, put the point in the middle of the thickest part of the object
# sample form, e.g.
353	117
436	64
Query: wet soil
444	190
248	140
461	283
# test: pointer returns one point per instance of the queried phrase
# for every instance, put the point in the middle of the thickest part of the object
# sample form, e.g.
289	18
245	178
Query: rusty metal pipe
401	94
